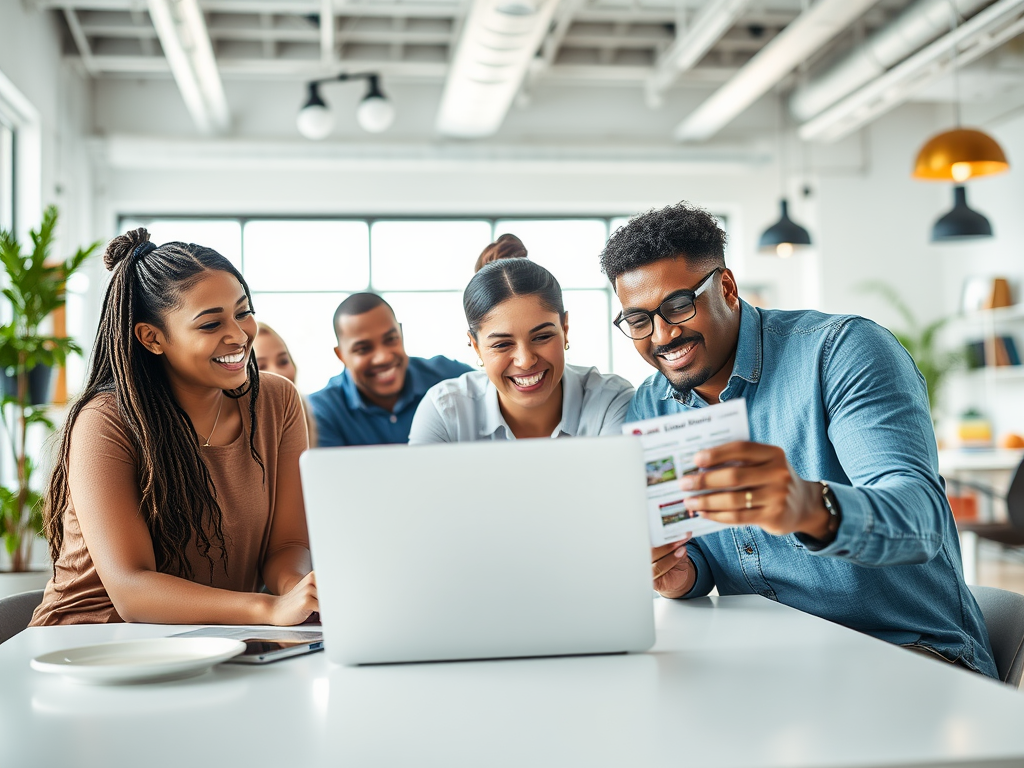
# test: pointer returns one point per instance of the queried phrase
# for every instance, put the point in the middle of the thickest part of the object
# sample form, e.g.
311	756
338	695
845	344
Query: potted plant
35	287
920	341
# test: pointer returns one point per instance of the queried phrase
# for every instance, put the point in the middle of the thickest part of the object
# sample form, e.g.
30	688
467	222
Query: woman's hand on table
672	569
296	605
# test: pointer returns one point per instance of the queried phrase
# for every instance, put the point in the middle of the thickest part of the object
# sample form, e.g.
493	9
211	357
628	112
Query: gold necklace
216	419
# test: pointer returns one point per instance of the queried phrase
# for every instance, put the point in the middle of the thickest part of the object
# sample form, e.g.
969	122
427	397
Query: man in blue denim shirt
836	507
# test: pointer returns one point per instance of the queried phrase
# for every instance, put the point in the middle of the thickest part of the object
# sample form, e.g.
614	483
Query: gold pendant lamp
959	155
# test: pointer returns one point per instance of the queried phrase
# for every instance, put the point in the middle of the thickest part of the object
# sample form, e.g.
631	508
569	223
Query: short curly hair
682	231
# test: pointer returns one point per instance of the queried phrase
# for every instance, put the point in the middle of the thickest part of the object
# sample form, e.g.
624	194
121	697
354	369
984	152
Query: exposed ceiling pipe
186	43
691	44
918	25
499	40
811	30
985	31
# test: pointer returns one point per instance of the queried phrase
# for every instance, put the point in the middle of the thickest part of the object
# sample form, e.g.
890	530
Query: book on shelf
997	351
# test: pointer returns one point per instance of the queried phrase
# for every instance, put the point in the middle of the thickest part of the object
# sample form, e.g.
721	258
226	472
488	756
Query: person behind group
508	246
175	496
519	329
373	400
836	504
272	355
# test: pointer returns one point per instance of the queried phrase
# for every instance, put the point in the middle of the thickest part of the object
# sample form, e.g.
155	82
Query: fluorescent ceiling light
186	45
499	40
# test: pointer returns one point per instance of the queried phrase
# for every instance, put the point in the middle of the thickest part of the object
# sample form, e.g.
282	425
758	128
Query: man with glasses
835	506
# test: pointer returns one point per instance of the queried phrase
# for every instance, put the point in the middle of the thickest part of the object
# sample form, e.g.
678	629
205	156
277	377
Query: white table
733	681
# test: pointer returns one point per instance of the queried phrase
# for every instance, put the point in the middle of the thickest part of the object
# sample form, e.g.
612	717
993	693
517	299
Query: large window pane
225	237
306	323
307	255
6	177
626	361
568	248
433	324
426	255
588	328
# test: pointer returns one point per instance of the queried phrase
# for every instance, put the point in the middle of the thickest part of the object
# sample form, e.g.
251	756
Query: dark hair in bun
179	500
507	246
122	246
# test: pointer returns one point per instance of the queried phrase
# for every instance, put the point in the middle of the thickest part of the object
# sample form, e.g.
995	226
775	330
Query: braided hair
179	500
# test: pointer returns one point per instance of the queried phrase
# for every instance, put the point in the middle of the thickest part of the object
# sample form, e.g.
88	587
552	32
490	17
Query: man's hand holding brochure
670	443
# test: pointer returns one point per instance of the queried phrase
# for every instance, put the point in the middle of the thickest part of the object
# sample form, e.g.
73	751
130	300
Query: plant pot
38	385
24	581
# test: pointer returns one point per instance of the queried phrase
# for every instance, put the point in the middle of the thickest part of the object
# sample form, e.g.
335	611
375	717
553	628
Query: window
299	270
6	175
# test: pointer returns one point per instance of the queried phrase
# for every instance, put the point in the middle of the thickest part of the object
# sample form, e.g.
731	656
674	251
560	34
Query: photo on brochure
670	443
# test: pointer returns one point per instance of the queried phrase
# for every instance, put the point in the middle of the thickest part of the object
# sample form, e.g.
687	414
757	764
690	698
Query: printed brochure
669	444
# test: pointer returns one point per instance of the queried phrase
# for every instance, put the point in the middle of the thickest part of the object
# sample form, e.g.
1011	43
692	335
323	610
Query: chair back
16	612
1004	618
1015	498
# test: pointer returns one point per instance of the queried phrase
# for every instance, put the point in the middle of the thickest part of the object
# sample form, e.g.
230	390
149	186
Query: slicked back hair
683	231
503	279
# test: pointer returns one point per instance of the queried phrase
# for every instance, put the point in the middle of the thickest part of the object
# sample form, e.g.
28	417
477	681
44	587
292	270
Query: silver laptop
480	550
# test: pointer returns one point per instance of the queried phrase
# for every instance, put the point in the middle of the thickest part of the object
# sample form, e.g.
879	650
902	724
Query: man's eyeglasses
676	309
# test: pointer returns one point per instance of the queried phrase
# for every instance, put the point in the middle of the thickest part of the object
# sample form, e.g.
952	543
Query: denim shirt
344	417
846	402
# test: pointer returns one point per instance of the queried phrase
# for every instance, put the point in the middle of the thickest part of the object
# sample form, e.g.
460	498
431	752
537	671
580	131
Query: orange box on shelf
964	507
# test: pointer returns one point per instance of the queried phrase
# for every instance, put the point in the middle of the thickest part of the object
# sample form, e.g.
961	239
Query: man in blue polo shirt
373	400
835	506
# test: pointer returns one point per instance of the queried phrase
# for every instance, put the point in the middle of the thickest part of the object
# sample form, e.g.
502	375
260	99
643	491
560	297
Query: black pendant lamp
962	222
782	236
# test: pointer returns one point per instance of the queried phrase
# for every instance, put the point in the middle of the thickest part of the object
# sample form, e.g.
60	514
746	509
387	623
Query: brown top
75	595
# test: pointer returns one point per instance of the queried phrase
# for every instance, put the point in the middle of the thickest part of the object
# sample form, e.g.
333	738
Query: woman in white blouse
519	329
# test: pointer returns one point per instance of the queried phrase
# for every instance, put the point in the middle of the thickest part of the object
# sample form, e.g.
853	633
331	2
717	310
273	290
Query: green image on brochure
669	443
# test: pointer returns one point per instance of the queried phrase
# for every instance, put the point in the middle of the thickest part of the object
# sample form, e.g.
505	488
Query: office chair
1009	533
16	612
1004	618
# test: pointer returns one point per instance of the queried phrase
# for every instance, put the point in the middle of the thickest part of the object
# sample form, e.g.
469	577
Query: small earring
567	346
480	362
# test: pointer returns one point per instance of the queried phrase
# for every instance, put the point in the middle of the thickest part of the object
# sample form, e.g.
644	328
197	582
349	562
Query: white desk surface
732	681
996	459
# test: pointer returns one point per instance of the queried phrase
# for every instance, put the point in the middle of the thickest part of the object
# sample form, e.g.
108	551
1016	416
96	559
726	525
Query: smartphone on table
263	645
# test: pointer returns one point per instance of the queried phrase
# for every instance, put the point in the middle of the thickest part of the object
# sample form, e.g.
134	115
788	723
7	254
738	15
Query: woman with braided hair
175	497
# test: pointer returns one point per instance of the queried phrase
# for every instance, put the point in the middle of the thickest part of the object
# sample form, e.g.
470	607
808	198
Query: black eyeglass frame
692	293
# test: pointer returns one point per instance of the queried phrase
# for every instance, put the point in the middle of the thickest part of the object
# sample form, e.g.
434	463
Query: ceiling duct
499	40
918	25
985	31
803	37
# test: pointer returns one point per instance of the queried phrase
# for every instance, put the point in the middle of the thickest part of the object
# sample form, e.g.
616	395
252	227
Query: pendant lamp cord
779	133
954	24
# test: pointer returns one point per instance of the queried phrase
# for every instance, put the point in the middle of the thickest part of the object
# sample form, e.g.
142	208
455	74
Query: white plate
136	661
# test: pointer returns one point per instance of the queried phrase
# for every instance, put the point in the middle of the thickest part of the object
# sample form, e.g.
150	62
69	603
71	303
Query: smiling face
273	356
522	345
371	347
699	353
205	341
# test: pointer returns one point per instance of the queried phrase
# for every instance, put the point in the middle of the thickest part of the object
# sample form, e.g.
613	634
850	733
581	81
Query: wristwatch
832	507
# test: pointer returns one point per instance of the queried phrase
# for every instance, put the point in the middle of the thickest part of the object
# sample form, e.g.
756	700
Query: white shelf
998	372
989	317
985	460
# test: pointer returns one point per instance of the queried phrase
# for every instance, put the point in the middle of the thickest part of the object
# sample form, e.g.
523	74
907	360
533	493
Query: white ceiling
640	44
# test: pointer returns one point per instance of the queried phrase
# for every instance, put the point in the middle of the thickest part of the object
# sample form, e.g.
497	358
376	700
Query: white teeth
527	381
675	354
237	357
